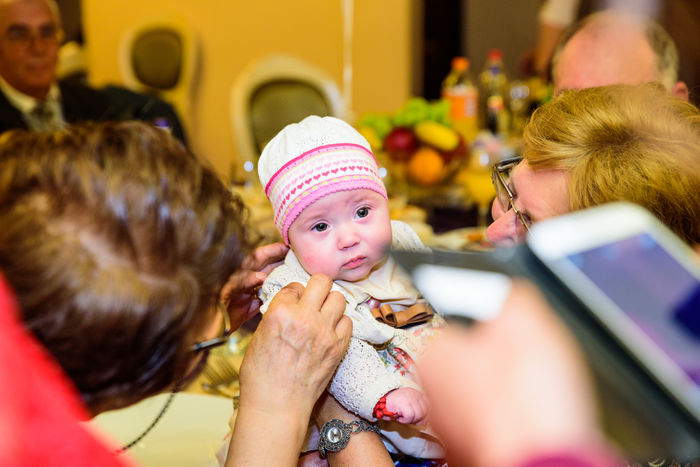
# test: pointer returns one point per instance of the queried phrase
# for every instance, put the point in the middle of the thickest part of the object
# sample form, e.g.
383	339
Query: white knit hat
312	159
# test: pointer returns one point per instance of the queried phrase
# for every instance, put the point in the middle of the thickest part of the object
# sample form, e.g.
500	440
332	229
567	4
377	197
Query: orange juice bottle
459	89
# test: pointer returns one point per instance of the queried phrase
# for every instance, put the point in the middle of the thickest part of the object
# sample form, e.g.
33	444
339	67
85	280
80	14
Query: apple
400	143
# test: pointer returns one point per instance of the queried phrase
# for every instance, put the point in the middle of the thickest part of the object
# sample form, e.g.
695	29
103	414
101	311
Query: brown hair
117	242
623	143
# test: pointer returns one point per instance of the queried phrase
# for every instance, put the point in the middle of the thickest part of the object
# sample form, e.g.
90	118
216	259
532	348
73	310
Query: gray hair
53	6
661	43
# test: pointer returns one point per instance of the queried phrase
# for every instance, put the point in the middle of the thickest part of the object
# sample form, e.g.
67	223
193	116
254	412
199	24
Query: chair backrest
271	93
160	56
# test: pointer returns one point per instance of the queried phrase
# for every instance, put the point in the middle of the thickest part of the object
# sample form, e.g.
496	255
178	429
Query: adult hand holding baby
287	365
239	294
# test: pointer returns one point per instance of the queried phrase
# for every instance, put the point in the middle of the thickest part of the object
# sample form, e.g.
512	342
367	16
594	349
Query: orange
426	167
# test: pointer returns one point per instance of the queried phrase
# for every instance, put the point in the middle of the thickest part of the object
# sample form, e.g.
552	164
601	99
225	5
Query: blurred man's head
613	48
30	33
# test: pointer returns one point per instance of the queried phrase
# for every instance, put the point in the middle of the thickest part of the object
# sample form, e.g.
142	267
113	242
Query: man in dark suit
31	97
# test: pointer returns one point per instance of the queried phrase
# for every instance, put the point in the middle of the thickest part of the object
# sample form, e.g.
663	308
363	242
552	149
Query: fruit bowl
420	151
436	185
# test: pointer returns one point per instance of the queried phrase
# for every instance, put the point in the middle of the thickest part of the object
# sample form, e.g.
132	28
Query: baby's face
344	235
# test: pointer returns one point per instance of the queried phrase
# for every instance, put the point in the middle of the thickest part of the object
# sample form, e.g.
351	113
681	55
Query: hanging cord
348	13
168	401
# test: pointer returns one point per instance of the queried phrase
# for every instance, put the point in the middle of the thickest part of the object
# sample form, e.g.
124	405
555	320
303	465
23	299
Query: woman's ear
680	89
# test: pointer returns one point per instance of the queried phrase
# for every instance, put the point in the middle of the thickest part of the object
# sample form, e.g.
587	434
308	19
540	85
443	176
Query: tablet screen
654	291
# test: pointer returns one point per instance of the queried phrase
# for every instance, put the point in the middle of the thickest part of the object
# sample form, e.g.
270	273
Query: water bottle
494	89
463	95
520	100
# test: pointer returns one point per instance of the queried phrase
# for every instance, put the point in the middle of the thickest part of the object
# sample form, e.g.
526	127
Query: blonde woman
598	145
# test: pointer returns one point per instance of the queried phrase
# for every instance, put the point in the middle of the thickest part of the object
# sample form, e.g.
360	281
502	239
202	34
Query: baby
331	208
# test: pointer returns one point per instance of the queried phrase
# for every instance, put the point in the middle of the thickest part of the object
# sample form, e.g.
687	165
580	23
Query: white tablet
639	280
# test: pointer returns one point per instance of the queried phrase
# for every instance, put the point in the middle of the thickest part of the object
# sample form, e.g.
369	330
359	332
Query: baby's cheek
317	263
312	253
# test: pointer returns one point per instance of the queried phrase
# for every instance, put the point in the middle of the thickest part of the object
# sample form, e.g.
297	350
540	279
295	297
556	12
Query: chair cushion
276	104
156	58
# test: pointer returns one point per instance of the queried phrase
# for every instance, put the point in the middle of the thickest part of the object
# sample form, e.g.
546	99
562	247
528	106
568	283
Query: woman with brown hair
126	253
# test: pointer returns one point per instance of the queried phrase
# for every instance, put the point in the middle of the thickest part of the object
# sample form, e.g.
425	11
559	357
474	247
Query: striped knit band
318	173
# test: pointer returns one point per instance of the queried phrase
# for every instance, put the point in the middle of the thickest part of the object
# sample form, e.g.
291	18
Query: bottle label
464	101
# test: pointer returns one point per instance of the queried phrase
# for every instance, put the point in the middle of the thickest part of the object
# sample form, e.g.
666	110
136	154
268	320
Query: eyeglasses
23	36
501	178
216	341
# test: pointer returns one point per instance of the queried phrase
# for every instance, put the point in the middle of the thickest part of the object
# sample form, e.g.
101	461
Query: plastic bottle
459	89
494	90
520	100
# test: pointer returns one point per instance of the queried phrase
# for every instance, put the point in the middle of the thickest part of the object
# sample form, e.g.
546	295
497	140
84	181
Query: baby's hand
408	406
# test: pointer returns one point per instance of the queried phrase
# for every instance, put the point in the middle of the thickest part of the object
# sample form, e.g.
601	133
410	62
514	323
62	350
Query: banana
370	135
437	135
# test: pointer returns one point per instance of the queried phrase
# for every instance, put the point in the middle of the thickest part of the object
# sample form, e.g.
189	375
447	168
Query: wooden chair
160	56
271	93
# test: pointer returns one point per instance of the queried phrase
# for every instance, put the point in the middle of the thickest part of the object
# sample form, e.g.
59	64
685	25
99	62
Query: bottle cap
460	63
495	54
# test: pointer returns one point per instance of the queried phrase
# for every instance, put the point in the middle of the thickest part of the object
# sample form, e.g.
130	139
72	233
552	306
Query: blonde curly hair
622	142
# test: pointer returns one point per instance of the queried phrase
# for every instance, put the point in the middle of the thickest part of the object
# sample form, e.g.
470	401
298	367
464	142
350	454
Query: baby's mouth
355	262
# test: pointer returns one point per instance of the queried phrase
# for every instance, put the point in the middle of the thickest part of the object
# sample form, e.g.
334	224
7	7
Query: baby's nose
347	237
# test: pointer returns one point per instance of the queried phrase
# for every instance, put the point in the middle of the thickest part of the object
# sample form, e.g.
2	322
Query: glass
216	341
477	178
501	178
23	36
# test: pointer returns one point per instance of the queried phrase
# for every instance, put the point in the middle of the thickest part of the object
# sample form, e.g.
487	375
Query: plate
468	238
189	434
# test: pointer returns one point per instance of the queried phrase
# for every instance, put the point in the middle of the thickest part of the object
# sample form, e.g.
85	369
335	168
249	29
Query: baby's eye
363	212
320	227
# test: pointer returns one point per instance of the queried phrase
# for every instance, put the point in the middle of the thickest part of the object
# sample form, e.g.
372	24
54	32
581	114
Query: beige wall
234	32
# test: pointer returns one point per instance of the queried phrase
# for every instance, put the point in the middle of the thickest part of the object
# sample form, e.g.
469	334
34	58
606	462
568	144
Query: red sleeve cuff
380	410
